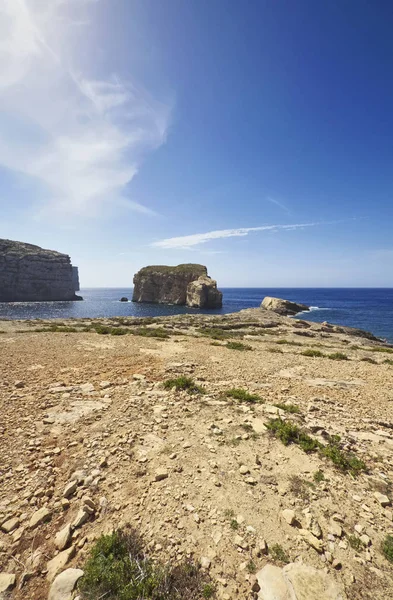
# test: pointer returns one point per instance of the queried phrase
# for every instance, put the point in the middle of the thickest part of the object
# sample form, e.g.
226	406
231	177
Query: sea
369	308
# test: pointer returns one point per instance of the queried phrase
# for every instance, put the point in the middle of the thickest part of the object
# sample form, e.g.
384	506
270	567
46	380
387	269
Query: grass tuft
289	408
184	384
355	543
243	395
312	353
319	476
278	553
118	569
387	548
369	360
238	346
338	356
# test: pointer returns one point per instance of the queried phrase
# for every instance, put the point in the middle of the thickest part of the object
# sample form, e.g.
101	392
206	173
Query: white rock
63	537
205	562
313	541
40	516
382	499
297	582
7	581
58	563
160	474
10	525
64	584
289	516
70	489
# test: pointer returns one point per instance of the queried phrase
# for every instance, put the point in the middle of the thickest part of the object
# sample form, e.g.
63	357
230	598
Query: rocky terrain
97	430
30	274
185	284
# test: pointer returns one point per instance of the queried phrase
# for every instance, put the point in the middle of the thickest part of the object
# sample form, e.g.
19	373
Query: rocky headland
186	284
29	273
256	445
283	307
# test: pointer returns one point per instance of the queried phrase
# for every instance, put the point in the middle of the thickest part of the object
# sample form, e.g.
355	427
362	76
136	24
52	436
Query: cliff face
203	293
171	285
29	274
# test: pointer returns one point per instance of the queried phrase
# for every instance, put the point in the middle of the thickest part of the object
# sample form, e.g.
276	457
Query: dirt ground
199	475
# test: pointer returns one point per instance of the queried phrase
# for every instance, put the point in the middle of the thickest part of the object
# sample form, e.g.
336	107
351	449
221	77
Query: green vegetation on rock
183	383
242	395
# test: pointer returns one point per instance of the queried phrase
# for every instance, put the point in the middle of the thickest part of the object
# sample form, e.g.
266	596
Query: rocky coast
257	445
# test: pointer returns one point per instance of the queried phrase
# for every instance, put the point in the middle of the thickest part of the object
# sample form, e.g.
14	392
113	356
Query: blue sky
253	137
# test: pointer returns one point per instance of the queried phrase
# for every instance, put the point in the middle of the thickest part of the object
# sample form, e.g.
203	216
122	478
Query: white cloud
80	137
279	204
187	241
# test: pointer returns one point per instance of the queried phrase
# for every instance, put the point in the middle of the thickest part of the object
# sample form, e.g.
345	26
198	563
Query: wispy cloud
279	204
188	241
80	137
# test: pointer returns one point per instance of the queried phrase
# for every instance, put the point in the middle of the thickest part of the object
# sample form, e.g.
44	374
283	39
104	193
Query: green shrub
243	395
289	408
157	332
288	343
275	350
355	543
387	548
319	476
238	346
338	356
185	384
251	566
382	349
289	433
388	361
278	553
234	524
344	461
312	353
118	569
215	333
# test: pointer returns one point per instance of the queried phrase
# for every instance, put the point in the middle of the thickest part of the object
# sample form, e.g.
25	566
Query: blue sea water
370	309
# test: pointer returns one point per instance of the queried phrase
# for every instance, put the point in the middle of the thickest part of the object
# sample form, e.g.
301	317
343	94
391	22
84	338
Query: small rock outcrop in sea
123	299
186	284
31	274
283	307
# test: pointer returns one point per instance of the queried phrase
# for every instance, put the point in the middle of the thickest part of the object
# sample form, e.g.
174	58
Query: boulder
203	293
297	582
283	307
7	582
171	285
29	273
64	584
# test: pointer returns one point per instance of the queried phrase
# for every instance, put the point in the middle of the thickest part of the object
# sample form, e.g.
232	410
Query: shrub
338	356
215	333
382	349
157	332
311	352
118	569
289	433
238	346
319	476
344	461
289	408
277	552
355	542
387	548
185	384
275	350
369	360
243	395
388	361
287	342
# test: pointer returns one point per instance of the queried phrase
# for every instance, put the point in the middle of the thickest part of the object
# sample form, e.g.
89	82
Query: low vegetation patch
388	361
369	360
387	548
157	332
290	433
355	543
278	553
287	343
300	488
119	569
184	384
338	356
238	346
312	353
381	349
289	408
319	476
217	334
275	350
242	395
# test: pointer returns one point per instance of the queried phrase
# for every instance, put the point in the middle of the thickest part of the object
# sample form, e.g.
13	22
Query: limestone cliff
173	285
30	274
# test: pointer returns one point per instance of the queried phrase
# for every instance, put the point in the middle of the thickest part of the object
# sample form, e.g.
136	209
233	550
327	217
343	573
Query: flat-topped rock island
186	284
